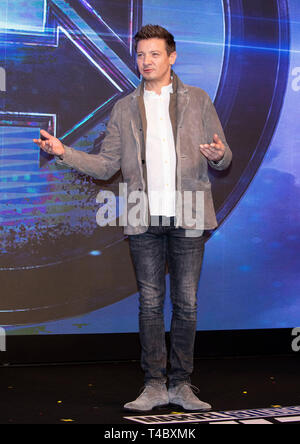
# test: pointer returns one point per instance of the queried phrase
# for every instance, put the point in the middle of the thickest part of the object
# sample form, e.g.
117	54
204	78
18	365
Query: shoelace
192	387
145	387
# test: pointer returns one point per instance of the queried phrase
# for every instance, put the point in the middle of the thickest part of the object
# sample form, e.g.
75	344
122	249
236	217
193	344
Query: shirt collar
168	89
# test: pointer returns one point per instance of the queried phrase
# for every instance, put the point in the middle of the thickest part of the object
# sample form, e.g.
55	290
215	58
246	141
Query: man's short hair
156	31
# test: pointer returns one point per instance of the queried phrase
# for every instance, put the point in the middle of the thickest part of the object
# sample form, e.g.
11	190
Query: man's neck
156	86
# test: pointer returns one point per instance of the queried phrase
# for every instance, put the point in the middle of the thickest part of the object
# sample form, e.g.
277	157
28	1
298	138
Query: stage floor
94	393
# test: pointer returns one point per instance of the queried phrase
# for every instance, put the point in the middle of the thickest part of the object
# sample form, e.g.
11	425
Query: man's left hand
214	151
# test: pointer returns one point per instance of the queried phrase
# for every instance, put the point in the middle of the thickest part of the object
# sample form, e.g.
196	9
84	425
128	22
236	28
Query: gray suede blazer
194	122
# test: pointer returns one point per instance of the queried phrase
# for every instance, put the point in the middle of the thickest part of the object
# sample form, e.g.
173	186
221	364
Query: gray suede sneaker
182	394
153	395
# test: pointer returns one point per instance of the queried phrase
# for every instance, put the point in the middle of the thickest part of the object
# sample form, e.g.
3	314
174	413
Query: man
163	136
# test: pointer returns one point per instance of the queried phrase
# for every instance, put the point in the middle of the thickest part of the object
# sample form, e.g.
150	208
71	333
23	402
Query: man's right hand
50	145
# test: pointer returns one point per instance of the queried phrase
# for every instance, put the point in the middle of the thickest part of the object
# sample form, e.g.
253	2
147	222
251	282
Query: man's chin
149	74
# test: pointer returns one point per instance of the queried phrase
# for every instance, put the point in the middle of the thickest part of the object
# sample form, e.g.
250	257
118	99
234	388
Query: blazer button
143	161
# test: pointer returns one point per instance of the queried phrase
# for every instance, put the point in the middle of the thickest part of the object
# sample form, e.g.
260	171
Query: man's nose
147	59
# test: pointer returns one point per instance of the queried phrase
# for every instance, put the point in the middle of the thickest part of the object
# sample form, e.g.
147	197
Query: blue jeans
150	252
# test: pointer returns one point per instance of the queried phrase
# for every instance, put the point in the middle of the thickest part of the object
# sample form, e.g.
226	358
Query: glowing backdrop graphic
63	66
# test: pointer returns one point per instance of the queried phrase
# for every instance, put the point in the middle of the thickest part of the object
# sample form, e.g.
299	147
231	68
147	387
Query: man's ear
172	57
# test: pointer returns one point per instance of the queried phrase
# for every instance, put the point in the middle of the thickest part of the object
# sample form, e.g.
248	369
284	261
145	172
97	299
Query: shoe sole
172	404
156	407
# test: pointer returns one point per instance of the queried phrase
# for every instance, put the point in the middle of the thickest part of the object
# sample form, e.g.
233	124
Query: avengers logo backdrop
63	65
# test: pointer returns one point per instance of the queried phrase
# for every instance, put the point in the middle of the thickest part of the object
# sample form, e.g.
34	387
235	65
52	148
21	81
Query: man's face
153	61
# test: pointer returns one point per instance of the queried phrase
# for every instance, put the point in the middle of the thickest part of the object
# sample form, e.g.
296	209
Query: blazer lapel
182	101
179	100
142	111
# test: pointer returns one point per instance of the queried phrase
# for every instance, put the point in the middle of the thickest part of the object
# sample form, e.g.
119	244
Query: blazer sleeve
213	126
104	164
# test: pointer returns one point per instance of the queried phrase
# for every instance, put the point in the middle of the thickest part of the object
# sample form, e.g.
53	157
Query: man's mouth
147	70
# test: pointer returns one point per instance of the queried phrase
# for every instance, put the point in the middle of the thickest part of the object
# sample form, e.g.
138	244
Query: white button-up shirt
160	153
